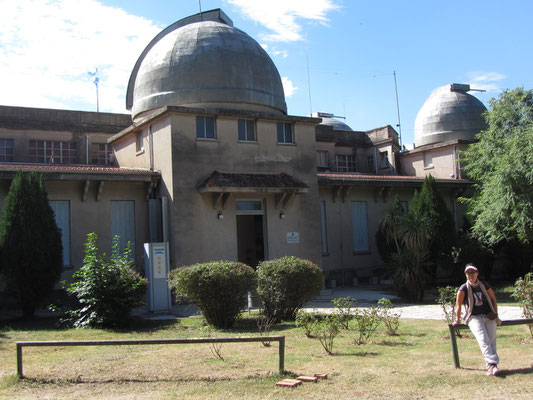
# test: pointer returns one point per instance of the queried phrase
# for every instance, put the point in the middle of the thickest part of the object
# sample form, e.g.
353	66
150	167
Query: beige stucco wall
95	216
443	162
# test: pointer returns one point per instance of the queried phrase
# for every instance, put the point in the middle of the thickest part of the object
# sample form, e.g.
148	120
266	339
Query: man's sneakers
493	370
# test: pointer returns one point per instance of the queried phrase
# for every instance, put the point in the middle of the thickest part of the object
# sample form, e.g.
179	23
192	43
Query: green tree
429	202
30	242
501	162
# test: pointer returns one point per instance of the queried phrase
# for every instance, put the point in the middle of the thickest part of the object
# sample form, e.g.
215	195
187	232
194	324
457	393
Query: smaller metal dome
449	113
327	119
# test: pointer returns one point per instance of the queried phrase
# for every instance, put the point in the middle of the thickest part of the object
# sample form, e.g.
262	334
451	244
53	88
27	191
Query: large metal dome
449	113
205	63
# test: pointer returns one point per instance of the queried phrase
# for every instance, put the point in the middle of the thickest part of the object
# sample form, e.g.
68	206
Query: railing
280	339
453	339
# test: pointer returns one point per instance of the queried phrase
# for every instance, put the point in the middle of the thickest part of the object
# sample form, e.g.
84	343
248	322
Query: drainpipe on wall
86	149
375	161
151	144
455	162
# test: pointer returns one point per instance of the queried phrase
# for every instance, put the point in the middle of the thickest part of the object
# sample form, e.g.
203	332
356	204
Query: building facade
210	162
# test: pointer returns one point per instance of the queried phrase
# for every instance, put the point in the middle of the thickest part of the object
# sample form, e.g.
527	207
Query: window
249	207
370	163
360	226
205	127
323	222
101	154
47	151
322	158
405	206
345	163
246	129
61	210
428	159
383	159
6	150
285	132
123	224
139	143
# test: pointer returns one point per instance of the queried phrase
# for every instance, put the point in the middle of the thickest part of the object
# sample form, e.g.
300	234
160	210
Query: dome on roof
449	113
327	119
207	64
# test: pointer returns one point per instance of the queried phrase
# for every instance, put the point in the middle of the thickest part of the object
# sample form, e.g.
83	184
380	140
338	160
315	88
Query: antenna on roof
96	81
200	7
399	125
309	88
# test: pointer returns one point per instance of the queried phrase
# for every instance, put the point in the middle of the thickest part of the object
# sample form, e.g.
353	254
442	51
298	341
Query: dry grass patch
416	364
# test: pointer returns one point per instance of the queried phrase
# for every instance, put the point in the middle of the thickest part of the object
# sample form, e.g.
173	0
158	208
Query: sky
335	56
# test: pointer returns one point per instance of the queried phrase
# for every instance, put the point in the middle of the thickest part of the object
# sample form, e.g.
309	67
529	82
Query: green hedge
286	284
218	288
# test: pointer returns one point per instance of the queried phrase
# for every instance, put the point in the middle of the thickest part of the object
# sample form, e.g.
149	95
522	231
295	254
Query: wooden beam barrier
453	339
129	342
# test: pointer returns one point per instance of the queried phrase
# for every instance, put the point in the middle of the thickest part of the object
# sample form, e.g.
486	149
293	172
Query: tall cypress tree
429	202
30	242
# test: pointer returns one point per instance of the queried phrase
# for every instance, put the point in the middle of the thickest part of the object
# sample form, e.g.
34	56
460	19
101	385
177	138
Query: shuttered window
360	226
123	223
62	217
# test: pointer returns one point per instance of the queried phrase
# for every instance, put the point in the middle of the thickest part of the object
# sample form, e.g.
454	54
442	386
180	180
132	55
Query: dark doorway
250	239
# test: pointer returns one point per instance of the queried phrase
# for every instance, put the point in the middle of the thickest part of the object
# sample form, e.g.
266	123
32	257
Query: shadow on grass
357	354
392	343
518	371
82	381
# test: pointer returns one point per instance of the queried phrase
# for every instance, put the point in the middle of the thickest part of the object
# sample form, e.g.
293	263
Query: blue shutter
123	223
360	226
61	210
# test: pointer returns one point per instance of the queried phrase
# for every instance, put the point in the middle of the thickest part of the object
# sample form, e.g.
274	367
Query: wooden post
282	355
19	360
455	352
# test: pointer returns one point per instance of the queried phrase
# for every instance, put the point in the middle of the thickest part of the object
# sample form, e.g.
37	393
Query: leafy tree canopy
501	163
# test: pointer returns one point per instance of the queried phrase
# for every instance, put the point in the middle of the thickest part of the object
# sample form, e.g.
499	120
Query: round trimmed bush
286	284
218	288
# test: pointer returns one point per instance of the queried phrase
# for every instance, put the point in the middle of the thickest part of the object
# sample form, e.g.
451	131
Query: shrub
343	307
30	243
326	330
218	288
286	284
523	292
447	297
106	288
307	322
390	319
367	320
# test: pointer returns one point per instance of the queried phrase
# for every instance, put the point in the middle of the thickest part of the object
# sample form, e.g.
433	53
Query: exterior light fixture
282	214
220	215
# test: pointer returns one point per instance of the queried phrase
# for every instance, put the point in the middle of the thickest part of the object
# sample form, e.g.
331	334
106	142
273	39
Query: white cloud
288	86
47	49
486	80
284	17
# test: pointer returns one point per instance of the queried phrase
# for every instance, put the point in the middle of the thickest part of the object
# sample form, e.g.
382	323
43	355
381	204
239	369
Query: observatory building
211	162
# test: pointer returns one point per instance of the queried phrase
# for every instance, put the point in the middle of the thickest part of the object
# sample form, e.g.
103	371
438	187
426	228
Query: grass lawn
416	364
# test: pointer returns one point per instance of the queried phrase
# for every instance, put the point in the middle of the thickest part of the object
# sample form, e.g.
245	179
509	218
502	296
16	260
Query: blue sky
352	47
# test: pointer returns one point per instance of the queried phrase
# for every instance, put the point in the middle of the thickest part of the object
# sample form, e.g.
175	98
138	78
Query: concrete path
365	295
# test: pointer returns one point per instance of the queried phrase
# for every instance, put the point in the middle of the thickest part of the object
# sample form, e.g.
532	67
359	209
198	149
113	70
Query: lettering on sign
293	237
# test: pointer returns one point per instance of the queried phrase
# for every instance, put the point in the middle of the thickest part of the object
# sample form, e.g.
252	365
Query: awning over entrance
221	185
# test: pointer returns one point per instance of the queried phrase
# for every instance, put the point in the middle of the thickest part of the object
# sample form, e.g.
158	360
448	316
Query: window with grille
53	152
100	154
345	163
6	150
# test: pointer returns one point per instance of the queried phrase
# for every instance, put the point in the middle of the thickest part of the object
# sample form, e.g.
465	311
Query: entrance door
251	243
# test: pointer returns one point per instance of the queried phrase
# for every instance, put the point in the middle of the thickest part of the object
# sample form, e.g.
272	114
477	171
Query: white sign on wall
293	237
